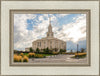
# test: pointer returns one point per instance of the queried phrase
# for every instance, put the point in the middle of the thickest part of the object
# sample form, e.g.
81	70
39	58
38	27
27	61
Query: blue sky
62	20
67	27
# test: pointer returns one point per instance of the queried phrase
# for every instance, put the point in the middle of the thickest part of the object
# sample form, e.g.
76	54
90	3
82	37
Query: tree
56	49
44	50
31	50
47	50
62	50
37	50
82	50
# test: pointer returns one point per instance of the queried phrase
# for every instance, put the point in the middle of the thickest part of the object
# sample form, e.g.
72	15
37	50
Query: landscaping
19	58
24	56
80	55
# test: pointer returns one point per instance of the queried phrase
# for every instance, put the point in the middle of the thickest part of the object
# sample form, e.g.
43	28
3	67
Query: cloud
74	31
73	46
41	18
21	34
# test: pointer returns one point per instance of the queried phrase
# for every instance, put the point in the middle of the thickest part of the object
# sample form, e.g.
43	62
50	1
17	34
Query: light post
77	51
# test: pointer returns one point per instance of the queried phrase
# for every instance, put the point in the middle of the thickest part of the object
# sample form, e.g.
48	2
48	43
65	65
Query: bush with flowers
80	54
25	59
22	54
31	55
17	58
55	53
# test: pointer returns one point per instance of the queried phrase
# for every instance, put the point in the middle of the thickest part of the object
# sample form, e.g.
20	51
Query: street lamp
77	51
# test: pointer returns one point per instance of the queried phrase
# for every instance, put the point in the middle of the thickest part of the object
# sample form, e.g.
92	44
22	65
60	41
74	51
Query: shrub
17	58
22	54
62	51
82	50
20	58
31	55
80	54
25	59
54	53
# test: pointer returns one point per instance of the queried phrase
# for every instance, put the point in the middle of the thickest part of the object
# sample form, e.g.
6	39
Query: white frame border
92	70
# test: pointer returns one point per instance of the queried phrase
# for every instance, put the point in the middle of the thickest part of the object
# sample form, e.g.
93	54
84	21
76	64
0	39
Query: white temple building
49	41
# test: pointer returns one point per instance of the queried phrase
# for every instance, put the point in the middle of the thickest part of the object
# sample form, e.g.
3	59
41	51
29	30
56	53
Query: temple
49	41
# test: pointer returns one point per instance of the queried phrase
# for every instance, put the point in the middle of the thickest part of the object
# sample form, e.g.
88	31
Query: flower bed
22	54
55	53
80	55
31	55
19	58
25	59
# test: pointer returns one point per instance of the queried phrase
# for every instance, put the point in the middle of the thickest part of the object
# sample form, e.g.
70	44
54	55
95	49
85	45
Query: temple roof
47	38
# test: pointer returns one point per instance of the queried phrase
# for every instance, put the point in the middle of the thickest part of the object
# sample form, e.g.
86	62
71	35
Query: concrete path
58	59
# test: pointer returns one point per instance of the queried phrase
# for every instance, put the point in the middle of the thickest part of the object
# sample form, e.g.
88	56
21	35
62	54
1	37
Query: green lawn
25	53
44	54
40	54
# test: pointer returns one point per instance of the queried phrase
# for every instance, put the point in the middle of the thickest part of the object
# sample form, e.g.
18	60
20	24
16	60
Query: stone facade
49	42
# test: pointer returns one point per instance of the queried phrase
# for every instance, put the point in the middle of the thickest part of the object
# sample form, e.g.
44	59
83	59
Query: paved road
58	59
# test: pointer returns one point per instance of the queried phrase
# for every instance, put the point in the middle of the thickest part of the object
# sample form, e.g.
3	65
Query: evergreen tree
31	50
37	50
47	50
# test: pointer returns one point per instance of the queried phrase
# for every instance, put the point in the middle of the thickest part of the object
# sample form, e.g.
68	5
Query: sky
67	27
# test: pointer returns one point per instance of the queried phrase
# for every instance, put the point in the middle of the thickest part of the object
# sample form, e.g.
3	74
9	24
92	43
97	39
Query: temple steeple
50	33
50	27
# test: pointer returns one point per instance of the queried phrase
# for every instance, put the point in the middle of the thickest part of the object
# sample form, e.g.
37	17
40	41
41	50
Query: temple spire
49	33
50	27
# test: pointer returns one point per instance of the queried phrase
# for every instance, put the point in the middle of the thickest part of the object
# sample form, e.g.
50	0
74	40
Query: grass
36	55
44	54
40	54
